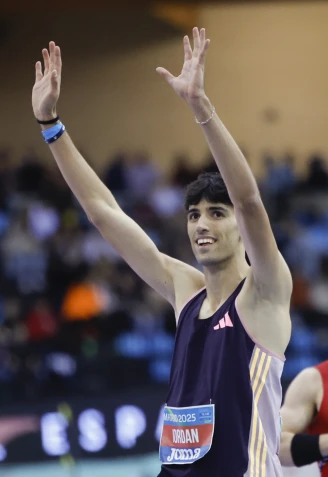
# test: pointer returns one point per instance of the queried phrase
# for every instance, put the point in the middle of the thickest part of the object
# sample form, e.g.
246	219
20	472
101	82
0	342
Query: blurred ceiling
7	6
144	20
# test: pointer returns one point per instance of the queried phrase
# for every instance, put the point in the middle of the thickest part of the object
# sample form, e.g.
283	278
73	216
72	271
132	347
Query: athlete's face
213	232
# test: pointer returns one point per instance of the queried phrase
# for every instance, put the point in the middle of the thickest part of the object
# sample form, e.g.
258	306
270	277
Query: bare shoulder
187	281
307	384
301	401
308	380
265	312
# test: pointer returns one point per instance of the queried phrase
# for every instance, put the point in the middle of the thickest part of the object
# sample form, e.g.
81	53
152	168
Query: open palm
46	89
190	83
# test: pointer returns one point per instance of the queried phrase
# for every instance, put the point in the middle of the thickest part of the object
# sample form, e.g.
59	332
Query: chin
209	261
212	260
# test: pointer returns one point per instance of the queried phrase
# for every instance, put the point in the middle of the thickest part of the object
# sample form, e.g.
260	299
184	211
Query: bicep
296	419
270	272
298	409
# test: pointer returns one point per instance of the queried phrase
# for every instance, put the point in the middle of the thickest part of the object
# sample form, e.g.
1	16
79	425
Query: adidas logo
225	321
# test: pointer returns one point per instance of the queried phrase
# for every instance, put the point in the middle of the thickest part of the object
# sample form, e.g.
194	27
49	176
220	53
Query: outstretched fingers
38	71
202	37
46	60
52	48
58	60
197	44
203	52
55	57
187	48
165	74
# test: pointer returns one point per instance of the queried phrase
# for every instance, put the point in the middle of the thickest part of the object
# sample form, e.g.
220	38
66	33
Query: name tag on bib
187	434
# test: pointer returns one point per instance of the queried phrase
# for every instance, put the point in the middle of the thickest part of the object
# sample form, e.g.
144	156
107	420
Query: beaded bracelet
203	123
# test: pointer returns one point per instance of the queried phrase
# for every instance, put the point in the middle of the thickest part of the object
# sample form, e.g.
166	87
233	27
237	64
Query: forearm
285	453
82	180
231	163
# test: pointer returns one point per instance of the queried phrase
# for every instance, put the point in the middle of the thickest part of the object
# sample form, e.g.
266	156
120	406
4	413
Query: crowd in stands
74	319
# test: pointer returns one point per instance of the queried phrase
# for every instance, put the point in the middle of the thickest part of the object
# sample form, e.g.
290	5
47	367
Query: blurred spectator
142	175
84	301
31	176
278	185
116	176
166	199
317	175
41	321
182	173
318	291
75	319
6	178
24	258
309	244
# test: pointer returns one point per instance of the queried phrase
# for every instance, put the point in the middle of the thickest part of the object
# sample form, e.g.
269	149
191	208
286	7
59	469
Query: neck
222	280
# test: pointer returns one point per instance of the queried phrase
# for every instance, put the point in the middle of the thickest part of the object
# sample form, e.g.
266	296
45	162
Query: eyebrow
212	209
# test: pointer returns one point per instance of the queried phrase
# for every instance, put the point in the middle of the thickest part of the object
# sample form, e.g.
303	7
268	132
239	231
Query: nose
202	225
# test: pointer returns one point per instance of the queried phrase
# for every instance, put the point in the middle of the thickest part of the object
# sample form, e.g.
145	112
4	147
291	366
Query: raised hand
189	85
46	89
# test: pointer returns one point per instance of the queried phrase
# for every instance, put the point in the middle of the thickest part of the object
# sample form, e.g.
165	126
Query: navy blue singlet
215	360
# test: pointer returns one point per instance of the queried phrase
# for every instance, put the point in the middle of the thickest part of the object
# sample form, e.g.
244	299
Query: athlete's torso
320	423
216	361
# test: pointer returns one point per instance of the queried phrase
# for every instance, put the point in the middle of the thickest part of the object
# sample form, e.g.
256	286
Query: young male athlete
222	413
304	437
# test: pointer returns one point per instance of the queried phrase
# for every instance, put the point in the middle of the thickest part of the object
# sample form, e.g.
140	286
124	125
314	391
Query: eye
218	214
193	216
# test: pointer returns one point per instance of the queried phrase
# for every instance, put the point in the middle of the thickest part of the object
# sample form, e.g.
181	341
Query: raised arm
270	273
298	412
130	241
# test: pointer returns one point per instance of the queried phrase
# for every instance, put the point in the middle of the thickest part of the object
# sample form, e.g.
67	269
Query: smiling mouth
204	243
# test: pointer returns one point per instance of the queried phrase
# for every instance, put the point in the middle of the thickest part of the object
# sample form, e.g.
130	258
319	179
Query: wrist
48	126
201	108
323	444
52	134
45	116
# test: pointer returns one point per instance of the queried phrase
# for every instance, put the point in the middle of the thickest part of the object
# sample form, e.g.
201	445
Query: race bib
187	434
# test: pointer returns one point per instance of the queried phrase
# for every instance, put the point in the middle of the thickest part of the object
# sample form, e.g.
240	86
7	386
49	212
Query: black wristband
50	121
305	449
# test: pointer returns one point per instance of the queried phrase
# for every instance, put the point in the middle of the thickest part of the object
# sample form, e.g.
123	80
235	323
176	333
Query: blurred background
85	345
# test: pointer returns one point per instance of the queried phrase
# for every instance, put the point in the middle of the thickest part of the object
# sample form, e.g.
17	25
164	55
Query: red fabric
41	323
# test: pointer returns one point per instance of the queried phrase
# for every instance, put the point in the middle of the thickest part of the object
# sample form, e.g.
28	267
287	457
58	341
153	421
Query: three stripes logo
224	322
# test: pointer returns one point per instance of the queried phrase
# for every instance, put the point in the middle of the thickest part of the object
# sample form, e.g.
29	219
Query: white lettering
188	436
130	424
91	424
190	454
183	454
194	434
197	453
171	457
53	434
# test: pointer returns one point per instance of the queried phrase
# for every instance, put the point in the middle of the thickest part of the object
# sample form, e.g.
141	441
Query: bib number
187	434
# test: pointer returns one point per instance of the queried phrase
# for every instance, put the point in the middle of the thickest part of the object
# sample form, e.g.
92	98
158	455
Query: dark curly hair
209	186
